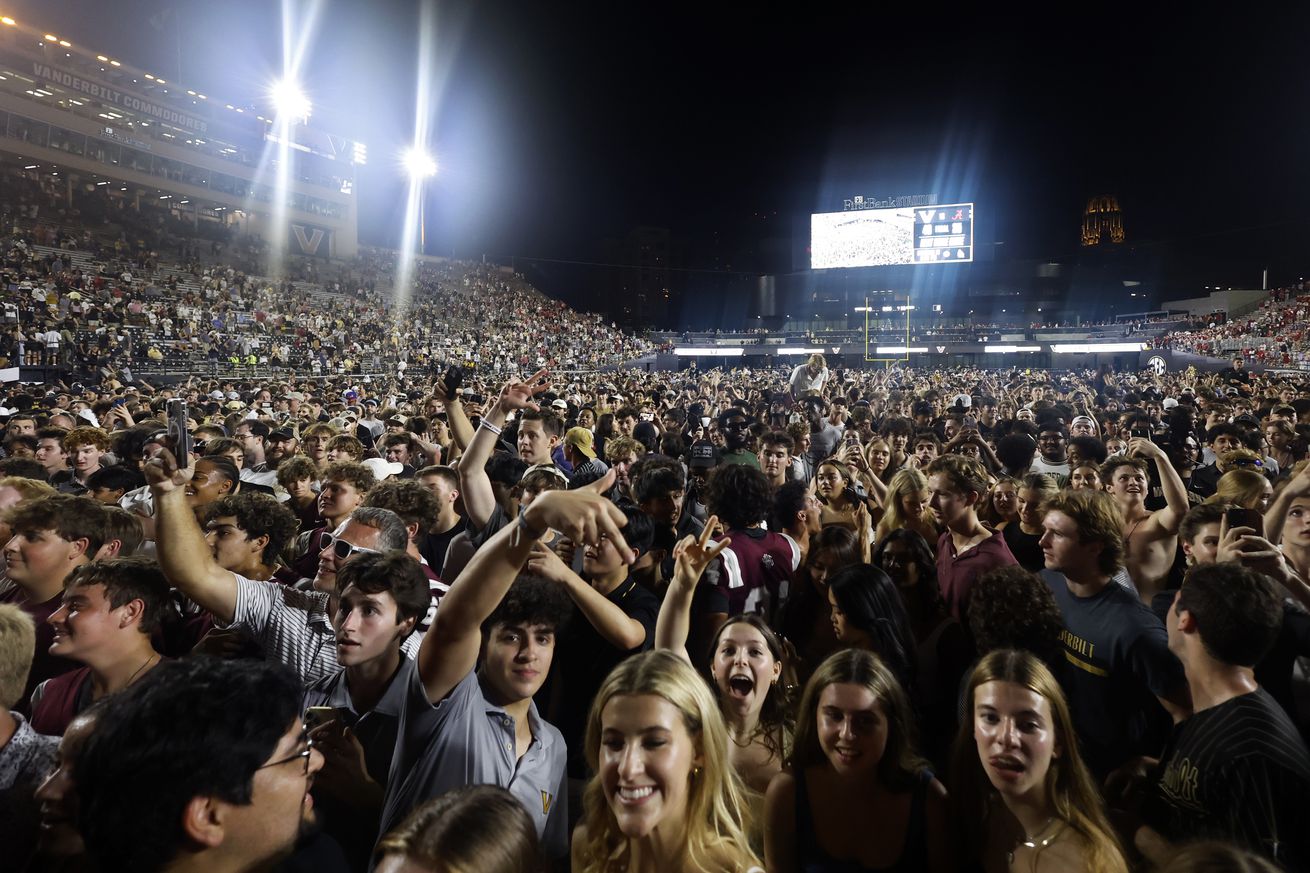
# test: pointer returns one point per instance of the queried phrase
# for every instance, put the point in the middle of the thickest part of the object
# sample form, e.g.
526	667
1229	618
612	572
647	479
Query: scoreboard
892	237
943	233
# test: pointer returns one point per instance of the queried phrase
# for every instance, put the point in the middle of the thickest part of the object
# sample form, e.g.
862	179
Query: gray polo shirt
292	627
467	740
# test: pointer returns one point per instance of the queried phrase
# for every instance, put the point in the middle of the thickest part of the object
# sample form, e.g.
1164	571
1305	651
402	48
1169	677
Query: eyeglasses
304	754
343	549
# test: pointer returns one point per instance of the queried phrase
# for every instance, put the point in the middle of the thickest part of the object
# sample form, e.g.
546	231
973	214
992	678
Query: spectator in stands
232	791
1237	769
51	539
110	610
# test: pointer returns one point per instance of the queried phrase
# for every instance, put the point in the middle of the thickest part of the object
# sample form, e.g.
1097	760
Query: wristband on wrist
489	426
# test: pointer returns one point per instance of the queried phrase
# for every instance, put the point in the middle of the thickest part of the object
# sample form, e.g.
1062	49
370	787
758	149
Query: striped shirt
292	627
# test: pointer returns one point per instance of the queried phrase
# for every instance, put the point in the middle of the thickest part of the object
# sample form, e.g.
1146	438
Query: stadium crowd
503	616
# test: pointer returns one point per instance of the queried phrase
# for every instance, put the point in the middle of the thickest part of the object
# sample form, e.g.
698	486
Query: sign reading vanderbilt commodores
310	240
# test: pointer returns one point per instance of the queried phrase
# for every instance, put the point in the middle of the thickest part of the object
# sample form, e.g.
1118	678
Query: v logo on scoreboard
925	215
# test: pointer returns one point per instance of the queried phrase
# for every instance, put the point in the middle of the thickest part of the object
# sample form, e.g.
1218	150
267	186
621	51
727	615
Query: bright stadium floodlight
289	100
419	164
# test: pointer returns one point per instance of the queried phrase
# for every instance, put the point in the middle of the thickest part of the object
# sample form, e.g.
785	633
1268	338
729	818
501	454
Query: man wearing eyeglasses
232	792
291	626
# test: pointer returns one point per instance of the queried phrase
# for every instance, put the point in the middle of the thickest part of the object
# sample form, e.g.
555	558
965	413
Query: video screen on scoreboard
892	237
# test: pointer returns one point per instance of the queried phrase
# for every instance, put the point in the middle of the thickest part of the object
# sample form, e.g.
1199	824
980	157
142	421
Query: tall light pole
421	166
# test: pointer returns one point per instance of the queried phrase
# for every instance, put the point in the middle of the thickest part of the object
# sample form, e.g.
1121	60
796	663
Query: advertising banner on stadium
310	240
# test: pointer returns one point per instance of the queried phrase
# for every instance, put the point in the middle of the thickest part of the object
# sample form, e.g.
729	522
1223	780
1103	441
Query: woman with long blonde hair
1027	800
1245	488
906	506
664	796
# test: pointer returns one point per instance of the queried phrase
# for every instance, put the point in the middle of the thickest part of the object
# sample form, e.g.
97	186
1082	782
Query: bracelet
489	426
522	530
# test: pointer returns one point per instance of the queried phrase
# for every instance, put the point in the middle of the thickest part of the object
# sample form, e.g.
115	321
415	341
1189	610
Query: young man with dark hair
290	625
443	482
462	723
775	457
1052	447
1237	770
400	448
231	792
757	567
417	507
381	597
966	549
1122	681
108	484
897	432
797	515
50	452
247	532
926	448
613	617
51	539
342	492
1220	439
110	610
252	433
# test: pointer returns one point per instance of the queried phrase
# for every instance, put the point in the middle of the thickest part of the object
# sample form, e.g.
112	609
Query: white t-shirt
801	380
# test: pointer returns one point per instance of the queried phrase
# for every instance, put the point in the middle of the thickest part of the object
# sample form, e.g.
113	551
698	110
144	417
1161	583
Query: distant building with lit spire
1103	222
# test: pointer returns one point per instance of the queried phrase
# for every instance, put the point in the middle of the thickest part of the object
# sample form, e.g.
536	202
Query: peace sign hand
694	553
519	395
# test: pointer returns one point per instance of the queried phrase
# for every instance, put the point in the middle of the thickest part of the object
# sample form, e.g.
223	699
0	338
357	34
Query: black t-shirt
1024	547
1274	672
1119	663
586	659
432	546
1237	772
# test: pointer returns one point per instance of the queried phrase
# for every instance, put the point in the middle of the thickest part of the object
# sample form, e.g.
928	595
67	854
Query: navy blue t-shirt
1119	664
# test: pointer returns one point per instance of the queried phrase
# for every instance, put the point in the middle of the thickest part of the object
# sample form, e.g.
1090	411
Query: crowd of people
519	619
1272	335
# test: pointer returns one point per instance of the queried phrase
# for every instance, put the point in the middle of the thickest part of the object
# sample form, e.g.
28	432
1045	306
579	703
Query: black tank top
811	858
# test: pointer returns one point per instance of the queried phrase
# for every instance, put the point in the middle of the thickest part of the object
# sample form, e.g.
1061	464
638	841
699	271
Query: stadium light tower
420	166
289	100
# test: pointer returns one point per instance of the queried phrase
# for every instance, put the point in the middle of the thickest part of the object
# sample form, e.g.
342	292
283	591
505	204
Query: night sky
562	125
